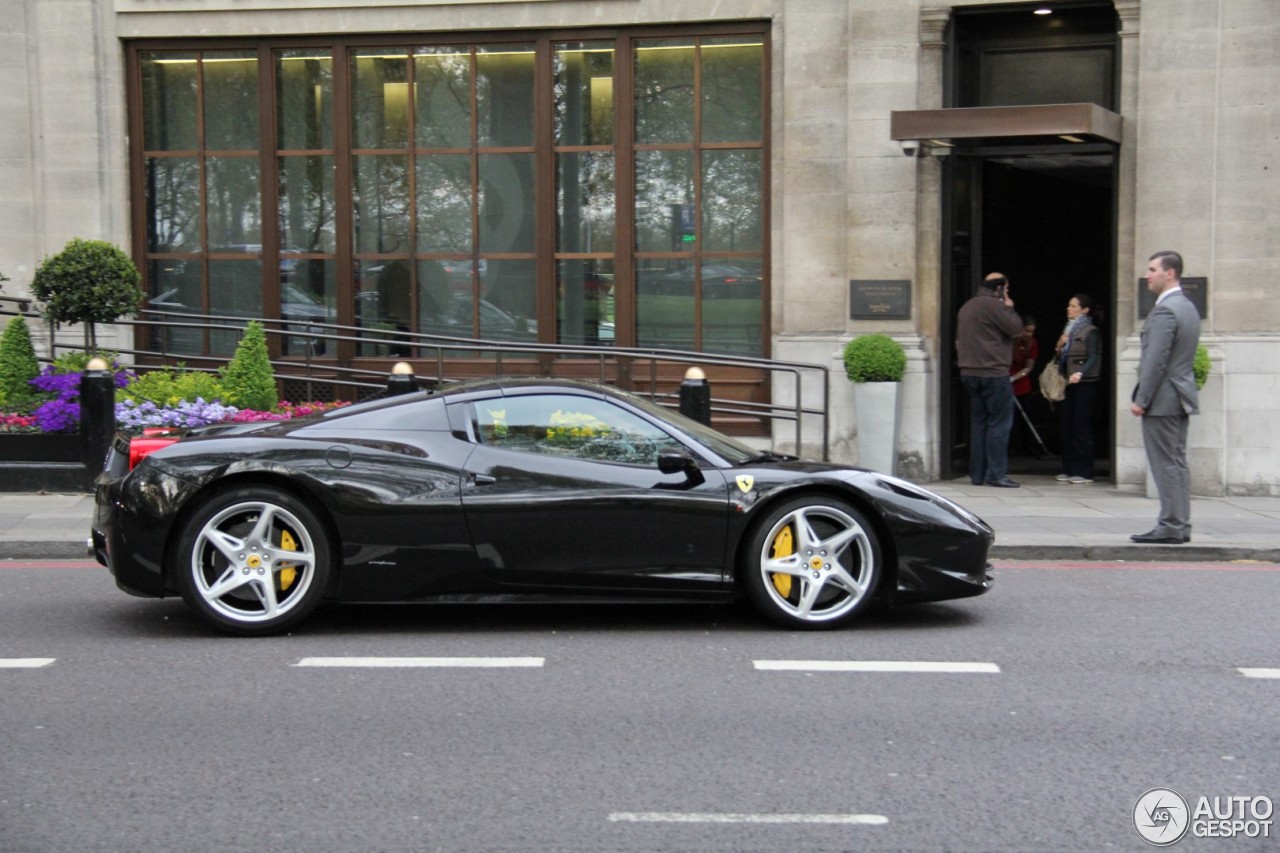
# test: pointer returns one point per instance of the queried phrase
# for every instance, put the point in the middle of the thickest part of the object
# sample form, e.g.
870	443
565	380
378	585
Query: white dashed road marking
422	662
25	663
695	817
876	666
1259	673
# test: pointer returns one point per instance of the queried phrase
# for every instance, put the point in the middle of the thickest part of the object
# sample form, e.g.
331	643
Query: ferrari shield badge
745	482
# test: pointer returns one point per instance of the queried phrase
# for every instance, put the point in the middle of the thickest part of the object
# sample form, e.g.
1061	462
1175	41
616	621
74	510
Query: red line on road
49	564
1138	566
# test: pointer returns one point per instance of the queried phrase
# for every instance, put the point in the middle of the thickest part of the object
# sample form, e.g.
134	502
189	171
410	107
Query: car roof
526	384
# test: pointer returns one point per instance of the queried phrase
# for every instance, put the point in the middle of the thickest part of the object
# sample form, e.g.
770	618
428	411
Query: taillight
141	448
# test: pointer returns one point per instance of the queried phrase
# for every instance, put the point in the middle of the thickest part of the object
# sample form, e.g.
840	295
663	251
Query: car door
564	490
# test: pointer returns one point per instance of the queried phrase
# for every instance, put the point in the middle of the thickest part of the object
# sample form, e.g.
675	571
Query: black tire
811	563
253	561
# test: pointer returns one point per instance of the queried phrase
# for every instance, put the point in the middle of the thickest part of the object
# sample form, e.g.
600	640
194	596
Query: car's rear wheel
812	562
253	561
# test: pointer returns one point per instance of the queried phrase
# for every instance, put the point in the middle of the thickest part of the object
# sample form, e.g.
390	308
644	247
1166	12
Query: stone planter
39	447
42	462
877	414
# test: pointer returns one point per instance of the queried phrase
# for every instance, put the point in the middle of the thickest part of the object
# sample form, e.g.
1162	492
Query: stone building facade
1180	159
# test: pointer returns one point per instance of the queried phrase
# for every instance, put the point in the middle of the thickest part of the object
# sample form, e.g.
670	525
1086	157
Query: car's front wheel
812	562
253	561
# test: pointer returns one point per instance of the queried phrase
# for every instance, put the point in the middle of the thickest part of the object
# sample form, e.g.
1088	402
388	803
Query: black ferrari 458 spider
505	488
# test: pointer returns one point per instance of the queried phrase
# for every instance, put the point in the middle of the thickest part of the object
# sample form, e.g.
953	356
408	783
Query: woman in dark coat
1079	359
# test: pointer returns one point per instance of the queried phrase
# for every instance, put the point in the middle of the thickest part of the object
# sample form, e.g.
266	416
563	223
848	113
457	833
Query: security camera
910	147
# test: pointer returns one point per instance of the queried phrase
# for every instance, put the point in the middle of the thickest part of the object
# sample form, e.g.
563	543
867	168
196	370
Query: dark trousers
1077	429
990	418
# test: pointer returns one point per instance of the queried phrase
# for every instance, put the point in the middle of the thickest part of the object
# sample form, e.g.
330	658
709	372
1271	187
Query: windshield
732	450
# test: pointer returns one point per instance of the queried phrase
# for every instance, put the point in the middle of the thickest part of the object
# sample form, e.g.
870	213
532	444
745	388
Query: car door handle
483	479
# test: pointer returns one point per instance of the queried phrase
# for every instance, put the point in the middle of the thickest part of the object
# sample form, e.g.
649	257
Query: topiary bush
247	382
1201	366
18	363
874	358
88	282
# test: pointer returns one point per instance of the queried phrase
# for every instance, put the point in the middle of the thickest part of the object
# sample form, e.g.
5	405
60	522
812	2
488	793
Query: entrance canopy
1037	124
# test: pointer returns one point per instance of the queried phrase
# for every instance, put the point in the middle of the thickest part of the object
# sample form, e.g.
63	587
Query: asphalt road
1082	686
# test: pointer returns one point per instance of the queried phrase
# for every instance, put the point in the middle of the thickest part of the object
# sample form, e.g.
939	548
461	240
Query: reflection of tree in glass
442	83
583	93
306	204
173	197
731	200
444	203
664	90
381	203
234	201
664	186
230	101
732	83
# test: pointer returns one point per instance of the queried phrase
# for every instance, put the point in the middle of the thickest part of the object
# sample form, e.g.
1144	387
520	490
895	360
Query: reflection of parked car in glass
296	304
458	273
719	281
455	320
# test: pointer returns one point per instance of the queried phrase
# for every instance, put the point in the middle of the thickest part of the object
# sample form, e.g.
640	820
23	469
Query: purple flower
58	416
130	414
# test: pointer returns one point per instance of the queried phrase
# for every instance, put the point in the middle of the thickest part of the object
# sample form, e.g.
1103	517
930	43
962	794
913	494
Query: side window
575	427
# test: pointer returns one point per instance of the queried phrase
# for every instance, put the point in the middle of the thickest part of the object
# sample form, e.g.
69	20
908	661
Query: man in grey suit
1166	397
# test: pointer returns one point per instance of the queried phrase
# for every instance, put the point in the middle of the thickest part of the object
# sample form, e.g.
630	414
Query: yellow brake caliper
288	573
783	546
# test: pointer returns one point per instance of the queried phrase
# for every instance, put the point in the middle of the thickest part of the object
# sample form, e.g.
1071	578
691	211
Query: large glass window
699	193
613	188
202	190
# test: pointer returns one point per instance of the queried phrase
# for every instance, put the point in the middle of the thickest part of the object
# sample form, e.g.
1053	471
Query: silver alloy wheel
827	568
253	562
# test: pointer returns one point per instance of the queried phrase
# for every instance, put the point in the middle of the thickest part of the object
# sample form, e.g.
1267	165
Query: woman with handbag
1078	356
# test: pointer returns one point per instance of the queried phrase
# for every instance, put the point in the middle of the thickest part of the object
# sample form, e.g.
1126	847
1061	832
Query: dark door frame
960	269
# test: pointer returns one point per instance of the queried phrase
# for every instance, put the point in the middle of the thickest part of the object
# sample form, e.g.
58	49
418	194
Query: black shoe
1153	538
1006	483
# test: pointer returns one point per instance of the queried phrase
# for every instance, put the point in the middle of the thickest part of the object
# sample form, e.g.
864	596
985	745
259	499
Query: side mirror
672	461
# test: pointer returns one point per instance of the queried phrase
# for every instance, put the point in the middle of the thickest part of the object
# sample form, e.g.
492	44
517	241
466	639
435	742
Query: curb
61	550
1136	553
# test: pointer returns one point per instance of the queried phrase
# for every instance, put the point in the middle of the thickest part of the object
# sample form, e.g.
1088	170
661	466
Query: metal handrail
23	303
426	348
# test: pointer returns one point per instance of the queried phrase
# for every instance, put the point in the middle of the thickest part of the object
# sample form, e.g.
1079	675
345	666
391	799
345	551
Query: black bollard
97	415
401	379
695	396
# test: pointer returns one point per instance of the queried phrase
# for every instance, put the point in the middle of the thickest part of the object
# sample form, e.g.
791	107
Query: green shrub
1201	366
18	363
89	282
874	358
169	387
247	382
77	361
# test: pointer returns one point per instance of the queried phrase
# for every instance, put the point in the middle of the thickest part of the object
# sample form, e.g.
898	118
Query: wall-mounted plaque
879	299
1196	289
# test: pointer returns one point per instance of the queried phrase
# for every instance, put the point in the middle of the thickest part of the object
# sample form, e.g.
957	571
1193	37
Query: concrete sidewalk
1048	520
1043	520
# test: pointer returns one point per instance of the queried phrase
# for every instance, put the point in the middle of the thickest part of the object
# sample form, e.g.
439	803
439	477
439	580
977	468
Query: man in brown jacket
986	328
